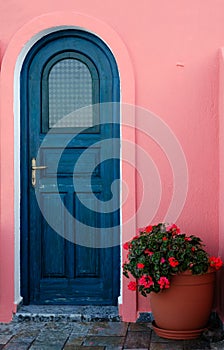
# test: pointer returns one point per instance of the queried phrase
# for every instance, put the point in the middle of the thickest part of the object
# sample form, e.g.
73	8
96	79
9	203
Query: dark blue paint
54	270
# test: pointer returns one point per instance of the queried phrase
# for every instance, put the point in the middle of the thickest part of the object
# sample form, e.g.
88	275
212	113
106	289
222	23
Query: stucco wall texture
174	50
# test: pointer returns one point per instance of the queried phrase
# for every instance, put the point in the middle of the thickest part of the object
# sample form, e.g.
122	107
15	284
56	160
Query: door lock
34	168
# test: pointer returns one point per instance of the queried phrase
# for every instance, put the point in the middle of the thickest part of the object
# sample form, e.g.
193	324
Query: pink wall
167	51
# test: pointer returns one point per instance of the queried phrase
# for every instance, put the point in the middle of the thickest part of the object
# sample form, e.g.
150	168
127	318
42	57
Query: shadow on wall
219	297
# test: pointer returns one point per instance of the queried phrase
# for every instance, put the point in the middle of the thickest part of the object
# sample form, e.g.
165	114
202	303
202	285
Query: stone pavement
92	335
43	328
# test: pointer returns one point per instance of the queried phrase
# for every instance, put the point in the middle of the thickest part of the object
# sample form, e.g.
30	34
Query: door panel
54	269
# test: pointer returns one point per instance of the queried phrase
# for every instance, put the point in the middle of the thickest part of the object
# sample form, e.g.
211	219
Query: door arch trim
13	58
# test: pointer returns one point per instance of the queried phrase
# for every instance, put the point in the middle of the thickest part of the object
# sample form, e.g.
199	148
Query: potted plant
178	274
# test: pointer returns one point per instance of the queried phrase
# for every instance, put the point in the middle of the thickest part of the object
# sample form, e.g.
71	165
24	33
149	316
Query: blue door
71	174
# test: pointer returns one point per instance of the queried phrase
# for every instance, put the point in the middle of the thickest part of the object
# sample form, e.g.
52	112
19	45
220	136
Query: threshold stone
72	313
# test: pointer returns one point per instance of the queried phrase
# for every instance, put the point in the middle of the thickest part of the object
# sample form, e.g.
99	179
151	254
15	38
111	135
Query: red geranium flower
126	246
132	286
148	228
215	262
146	281
163	283
165	238
140	266
174	229
173	262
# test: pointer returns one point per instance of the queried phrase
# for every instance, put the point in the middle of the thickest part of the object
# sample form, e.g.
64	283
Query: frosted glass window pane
70	88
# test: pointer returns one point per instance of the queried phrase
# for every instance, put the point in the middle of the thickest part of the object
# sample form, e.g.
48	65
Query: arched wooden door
63	72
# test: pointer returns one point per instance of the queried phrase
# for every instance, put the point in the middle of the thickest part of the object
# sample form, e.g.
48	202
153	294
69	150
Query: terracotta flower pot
183	310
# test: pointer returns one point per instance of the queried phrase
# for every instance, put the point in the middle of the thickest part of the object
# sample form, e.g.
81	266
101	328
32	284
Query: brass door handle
35	167
40	167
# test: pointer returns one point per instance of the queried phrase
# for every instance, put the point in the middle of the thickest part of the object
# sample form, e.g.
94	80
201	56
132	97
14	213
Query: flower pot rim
189	273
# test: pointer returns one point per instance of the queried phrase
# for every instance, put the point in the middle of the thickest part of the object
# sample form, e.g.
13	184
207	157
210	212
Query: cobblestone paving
92	335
